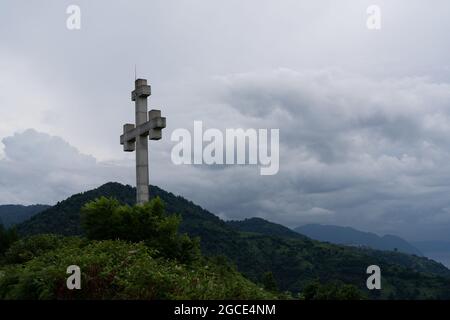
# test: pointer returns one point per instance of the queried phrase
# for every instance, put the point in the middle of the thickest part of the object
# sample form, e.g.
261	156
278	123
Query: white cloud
39	168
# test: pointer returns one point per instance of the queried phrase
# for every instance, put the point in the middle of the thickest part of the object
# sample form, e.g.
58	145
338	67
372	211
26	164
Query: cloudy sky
364	115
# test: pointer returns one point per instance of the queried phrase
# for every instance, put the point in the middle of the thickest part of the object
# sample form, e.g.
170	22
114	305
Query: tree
106	218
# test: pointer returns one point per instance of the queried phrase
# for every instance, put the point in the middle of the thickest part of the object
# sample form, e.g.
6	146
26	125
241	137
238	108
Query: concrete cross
135	137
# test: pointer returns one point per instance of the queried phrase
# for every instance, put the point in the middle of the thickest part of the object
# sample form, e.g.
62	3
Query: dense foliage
114	269
7	238
105	218
261	247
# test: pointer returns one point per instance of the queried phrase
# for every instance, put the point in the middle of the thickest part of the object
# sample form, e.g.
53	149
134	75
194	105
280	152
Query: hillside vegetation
295	261
130	252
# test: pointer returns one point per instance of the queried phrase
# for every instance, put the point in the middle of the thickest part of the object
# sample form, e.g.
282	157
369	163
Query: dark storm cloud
368	152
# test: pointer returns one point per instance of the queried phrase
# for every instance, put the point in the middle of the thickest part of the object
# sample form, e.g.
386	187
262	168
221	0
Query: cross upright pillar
140	94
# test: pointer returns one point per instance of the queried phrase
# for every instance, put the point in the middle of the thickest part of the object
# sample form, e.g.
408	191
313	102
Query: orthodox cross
135	137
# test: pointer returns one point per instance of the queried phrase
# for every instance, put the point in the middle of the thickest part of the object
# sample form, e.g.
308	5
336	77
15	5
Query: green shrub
28	248
105	218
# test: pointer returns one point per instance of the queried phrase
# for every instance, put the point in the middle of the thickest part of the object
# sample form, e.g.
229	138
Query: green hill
258	247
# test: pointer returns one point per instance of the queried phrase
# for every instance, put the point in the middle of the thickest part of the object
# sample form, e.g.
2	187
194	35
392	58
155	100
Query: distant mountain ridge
352	237
11	214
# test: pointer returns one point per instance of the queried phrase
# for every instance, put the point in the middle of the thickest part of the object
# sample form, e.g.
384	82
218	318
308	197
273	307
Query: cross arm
127	141
152	128
142	91
157	124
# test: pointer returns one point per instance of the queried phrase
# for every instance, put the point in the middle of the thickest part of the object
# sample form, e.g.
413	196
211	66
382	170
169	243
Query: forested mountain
259	247
11	214
353	237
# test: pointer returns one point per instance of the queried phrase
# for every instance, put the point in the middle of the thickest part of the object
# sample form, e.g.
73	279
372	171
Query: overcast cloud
364	116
